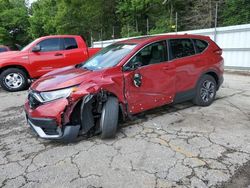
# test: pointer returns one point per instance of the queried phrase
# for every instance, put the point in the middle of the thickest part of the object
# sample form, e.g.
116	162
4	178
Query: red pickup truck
4	48
40	57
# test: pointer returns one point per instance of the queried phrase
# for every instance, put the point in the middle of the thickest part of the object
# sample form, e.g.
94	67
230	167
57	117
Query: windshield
108	57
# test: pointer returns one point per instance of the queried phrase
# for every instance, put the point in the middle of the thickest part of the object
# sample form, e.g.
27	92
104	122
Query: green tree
236	12
42	19
99	19
134	15
86	18
13	22
153	16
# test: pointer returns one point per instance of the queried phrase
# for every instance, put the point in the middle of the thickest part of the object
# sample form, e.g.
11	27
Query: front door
149	78
50	57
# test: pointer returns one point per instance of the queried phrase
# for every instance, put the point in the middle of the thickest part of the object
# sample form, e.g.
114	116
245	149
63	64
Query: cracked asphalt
172	146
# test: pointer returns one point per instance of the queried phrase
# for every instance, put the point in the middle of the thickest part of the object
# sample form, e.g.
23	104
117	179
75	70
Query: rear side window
3	49
70	43
181	48
200	45
50	45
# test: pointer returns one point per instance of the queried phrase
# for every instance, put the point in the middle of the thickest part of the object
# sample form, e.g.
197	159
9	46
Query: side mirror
135	66
36	48
137	80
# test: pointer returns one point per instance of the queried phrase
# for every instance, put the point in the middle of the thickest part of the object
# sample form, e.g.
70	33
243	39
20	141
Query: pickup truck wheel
205	91
109	118
13	79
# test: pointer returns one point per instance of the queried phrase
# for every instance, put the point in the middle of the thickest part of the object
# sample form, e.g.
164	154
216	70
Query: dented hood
62	78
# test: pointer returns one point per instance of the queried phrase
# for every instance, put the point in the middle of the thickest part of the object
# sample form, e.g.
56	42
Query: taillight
218	51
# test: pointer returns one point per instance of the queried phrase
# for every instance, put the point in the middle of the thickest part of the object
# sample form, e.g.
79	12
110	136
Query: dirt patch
241	178
13	108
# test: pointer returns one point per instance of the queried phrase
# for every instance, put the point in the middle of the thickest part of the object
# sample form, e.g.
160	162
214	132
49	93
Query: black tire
109	118
21	76
205	91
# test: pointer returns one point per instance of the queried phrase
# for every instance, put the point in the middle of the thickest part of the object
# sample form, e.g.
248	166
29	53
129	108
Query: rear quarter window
200	45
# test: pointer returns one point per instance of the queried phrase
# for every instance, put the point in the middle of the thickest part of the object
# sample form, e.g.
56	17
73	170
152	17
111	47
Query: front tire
205	91
13	79
109	118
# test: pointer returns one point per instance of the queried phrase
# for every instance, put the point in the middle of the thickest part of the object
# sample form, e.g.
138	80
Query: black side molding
184	96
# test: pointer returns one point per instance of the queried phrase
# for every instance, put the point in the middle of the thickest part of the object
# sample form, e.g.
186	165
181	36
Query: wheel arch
15	66
100	96
212	73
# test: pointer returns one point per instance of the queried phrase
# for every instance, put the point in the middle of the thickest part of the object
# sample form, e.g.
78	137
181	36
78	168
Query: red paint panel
157	87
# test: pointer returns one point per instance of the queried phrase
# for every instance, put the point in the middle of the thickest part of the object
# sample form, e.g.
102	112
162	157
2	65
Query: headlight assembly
57	94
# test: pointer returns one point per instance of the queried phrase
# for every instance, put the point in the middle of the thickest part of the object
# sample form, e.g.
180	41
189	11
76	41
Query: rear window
70	43
181	48
200	45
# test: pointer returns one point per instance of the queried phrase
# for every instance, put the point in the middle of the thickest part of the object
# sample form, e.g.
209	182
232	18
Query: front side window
49	45
109	56
70	43
181	48
200	45
151	54
30	45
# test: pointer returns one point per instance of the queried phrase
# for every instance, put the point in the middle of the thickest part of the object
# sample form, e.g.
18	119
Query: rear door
49	58
187	63
73	53
149	78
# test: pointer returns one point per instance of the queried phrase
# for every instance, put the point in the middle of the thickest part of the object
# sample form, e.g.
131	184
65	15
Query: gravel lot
178	146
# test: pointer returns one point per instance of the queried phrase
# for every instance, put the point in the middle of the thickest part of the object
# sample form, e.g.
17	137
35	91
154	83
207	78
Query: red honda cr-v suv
124	79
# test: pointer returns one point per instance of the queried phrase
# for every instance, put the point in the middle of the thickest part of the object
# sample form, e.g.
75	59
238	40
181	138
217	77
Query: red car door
150	83
187	64
74	54
49	56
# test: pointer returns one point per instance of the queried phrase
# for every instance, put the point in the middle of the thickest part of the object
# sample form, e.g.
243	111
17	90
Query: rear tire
109	118
13	79
205	91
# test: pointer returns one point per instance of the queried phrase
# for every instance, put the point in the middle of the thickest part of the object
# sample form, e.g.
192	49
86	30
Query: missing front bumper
68	134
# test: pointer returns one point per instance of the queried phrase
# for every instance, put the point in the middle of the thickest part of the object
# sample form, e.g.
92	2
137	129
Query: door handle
198	61
58	54
166	68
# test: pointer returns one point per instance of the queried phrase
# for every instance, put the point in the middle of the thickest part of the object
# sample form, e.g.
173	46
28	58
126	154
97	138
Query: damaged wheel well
87	111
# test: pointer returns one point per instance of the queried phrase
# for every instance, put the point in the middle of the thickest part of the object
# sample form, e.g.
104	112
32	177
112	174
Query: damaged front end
65	118
53	132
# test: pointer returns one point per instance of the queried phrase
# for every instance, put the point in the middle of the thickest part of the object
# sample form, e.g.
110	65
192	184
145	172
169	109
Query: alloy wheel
14	80
207	91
